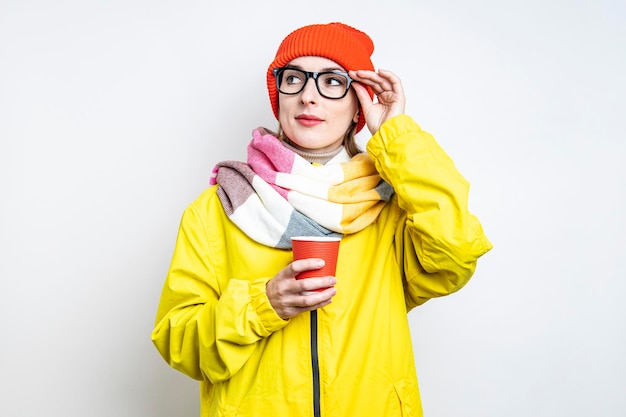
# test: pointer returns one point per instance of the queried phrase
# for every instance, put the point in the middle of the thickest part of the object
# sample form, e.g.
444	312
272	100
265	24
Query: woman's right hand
290	296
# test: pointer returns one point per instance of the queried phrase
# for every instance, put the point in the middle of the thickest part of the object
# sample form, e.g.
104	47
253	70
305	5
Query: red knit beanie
347	46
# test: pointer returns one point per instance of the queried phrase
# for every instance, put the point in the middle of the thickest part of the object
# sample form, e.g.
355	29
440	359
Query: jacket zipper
315	365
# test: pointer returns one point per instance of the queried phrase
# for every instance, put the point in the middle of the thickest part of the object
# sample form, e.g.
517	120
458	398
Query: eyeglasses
330	84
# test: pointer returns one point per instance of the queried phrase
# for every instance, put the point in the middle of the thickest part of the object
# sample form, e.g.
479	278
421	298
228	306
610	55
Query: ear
355	119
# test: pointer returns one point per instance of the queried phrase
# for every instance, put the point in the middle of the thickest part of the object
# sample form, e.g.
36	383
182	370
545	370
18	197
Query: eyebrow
327	69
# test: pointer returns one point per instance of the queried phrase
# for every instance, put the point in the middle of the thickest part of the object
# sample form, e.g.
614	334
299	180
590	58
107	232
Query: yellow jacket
351	358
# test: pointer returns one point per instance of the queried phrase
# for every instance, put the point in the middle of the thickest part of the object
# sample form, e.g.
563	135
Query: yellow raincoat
351	358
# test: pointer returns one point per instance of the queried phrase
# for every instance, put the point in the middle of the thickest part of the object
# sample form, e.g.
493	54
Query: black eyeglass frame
278	75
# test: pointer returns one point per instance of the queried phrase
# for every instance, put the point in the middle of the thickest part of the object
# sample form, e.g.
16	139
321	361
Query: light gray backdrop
112	114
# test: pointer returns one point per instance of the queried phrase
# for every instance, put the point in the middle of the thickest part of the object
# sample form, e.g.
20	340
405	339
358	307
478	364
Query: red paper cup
323	247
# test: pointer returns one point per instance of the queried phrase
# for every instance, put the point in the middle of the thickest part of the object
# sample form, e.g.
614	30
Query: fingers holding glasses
389	92
383	83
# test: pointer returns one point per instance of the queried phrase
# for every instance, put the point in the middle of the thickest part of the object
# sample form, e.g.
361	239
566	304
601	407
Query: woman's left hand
388	90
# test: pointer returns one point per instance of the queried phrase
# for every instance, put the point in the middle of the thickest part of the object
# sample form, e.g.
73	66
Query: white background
112	114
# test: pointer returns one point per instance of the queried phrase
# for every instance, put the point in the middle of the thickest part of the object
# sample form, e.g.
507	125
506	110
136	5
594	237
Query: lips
308	119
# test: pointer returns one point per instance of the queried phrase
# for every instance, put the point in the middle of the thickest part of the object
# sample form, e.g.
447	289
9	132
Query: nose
309	93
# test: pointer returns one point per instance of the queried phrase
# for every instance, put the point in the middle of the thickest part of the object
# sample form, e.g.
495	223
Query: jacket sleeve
439	241
203	330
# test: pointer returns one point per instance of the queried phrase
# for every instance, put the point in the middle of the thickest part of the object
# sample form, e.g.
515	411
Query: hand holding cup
307	283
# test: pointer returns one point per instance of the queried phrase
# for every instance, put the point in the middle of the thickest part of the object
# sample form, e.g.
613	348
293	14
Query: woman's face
311	121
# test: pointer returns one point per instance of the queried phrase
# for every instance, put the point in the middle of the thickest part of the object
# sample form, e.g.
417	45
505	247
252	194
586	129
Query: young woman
233	316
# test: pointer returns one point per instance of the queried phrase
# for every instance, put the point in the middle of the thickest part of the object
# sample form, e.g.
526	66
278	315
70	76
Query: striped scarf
278	194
